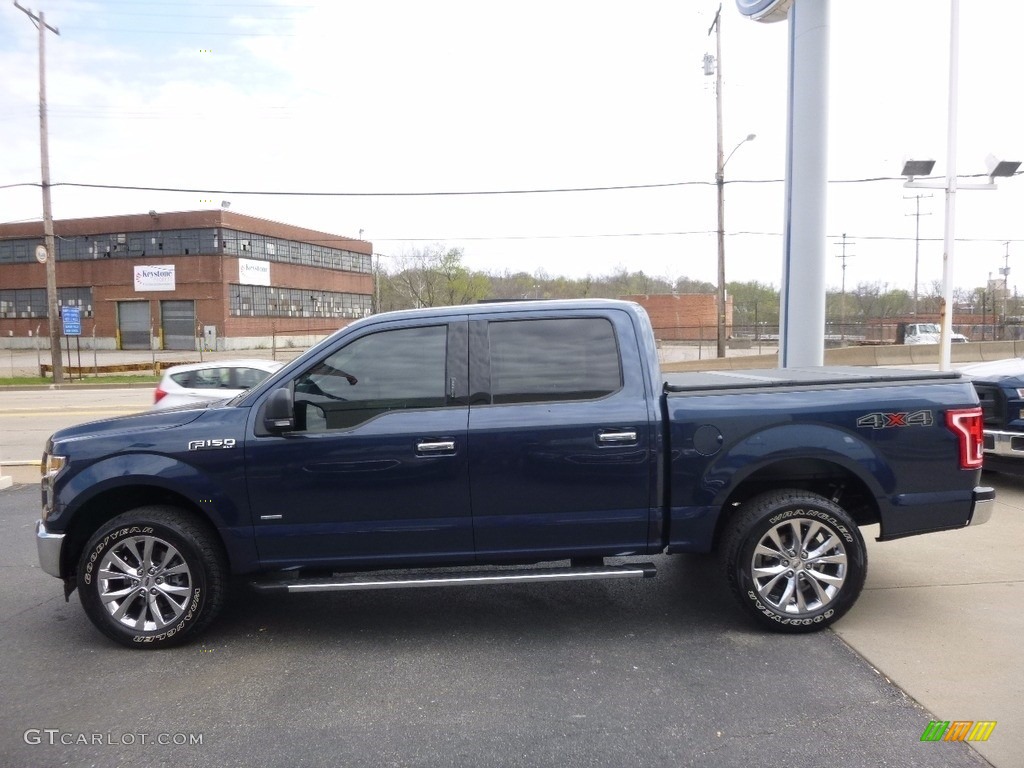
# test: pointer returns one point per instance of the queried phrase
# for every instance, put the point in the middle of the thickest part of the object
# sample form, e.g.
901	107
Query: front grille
993	404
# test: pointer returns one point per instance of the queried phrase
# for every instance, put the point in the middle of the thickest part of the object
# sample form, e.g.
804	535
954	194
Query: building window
32	302
270	301
182	242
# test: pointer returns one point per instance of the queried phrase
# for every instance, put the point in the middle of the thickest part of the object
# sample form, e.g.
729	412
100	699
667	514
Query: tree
753	303
433	277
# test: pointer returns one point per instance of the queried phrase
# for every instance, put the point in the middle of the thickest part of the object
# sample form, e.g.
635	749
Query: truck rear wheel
794	560
152	577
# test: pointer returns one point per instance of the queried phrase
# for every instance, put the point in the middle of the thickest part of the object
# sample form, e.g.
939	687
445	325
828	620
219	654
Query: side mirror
279	414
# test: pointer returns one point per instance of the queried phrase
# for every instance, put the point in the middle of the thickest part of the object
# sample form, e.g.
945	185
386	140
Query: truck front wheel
152	577
794	560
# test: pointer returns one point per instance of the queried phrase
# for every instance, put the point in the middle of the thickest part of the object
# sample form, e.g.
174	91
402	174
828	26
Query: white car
201	383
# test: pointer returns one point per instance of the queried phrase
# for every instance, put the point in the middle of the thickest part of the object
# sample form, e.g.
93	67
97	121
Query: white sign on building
154	278
253	272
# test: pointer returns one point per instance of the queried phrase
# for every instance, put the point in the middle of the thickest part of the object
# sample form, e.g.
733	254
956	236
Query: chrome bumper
984	503
49	546
1010	444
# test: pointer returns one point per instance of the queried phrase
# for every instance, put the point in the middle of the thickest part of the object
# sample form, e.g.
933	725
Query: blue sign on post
71	318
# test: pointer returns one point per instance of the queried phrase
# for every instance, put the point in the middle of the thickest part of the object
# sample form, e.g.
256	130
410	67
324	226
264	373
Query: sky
349	108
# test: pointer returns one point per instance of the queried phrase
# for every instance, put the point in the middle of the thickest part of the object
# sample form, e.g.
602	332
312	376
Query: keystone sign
253	272
154	278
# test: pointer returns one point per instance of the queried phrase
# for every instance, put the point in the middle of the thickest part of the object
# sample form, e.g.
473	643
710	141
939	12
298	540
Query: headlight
1020	394
51	465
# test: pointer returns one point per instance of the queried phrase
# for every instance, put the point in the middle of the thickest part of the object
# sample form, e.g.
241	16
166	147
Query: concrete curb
19	473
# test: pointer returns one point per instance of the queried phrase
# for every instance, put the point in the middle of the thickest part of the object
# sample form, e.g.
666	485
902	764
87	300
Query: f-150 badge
213	442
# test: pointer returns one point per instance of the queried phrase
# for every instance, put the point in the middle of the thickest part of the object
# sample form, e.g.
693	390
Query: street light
912	168
997	167
951	184
720	182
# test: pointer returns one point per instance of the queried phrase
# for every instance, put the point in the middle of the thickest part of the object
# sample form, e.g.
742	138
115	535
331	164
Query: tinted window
246	378
540	360
385	371
207	378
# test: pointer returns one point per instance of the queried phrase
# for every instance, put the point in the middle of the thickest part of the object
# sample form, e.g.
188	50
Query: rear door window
545	360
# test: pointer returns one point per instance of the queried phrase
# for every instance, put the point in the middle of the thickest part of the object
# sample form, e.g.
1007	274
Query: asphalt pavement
659	672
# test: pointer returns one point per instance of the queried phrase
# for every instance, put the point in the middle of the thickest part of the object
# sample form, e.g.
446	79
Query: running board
372	581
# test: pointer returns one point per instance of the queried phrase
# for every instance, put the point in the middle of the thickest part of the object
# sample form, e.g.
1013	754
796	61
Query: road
28	418
658	672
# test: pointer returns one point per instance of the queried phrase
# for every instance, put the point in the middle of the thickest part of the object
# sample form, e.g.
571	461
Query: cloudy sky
319	97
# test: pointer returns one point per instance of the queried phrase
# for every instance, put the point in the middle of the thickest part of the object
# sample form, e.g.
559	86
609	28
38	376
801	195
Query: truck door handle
627	436
439	446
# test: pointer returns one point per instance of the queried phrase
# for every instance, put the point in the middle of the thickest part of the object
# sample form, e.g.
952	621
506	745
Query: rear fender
791	442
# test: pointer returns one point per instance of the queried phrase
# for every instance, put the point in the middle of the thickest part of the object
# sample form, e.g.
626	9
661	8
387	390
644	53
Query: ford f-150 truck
500	443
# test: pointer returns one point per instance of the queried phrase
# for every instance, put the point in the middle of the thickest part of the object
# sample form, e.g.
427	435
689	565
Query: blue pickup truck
505	442
1000	388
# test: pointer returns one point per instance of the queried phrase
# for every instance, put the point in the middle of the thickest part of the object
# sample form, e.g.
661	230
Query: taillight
159	393
968	425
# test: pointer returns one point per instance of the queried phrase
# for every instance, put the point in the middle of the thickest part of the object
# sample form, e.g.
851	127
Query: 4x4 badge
887	420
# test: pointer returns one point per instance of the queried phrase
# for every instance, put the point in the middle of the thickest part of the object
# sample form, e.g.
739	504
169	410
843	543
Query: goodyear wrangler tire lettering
152	577
794	560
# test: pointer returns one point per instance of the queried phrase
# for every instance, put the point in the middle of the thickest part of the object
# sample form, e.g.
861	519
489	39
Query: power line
177	32
310	193
447	193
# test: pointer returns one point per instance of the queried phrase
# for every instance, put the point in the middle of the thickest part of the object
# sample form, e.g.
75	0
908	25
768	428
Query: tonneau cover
760	378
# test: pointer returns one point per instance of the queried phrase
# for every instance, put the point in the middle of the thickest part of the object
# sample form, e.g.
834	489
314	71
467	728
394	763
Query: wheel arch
110	503
830	478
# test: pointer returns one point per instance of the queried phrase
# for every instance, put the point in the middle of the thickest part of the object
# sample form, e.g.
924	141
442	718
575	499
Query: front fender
215	493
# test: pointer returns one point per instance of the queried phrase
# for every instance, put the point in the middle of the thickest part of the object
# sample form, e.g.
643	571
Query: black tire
795	590
165	603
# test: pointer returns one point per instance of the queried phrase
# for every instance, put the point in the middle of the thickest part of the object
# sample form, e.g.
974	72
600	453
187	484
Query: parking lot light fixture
912	168
997	167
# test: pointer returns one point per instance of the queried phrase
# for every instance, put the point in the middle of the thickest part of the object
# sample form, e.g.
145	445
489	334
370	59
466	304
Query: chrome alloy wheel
144	583
799	566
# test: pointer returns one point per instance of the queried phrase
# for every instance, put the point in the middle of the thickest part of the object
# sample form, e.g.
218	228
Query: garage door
133	324
179	324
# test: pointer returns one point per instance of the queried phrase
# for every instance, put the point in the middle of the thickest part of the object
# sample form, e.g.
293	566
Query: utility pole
917	239
842	300
716	25
1005	272
50	256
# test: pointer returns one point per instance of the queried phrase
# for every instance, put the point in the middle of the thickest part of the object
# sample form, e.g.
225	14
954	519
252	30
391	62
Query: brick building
684	317
218	278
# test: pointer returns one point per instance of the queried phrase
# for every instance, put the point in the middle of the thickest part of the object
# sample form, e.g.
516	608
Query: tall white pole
802	310
946	337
